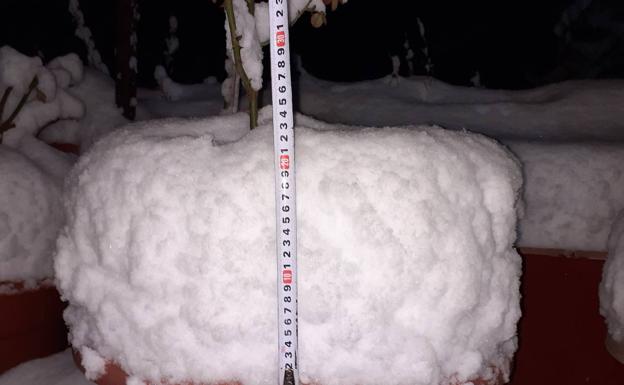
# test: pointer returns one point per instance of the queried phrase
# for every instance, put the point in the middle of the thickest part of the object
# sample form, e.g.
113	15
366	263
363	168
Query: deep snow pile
30	218
572	193
612	285
406	262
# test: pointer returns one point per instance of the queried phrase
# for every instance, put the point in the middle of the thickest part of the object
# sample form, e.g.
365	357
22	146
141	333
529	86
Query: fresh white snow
97	93
171	90
406	262
48	102
30	218
68	70
32	172
572	193
566	135
569	138
181	100
57	369
570	111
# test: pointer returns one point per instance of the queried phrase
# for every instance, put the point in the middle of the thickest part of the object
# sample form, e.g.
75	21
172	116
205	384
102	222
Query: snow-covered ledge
612	290
406	258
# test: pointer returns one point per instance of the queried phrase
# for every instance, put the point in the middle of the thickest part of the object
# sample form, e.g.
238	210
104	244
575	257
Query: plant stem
7	124
251	6
238	62
5	97
253	108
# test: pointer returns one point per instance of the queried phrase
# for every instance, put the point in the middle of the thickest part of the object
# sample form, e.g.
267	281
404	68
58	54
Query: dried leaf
318	19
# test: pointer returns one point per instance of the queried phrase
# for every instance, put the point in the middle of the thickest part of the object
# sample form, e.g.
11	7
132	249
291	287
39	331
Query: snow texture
17	71
57	369
572	193
93	364
68	70
48	102
30	218
612	285
192	100
406	264
172	90
568	136
576	110
97	93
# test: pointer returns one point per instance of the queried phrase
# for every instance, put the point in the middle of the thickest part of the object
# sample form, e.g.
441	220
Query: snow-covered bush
48	102
37	96
30	218
33	96
97	93
612	285
406	259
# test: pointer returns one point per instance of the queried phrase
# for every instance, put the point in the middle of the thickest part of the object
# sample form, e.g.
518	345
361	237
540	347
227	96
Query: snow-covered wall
572	193
406	259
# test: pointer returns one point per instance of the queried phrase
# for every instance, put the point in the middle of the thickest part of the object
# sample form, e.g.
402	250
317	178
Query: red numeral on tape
280	38
287	277
284	162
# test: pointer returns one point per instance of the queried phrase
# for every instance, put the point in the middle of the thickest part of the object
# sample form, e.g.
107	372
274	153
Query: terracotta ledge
583	254
32	323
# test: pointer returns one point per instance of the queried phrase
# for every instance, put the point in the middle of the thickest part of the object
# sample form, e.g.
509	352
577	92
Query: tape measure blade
285	192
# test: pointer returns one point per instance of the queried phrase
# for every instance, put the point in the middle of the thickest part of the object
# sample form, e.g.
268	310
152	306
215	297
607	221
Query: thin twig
3	102
33	84
238	62
8	124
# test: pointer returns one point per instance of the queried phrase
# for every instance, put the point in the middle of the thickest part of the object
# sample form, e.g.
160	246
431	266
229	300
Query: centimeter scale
285	205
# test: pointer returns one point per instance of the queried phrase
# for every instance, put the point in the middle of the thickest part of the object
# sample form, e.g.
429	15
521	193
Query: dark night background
511	44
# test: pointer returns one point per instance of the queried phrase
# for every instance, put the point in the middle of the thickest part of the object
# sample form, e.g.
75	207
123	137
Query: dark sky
510	44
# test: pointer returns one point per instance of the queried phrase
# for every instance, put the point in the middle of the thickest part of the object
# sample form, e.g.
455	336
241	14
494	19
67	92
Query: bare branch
8	124
238	62
3	102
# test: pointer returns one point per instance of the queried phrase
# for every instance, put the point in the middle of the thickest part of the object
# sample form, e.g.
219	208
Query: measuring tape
285	204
